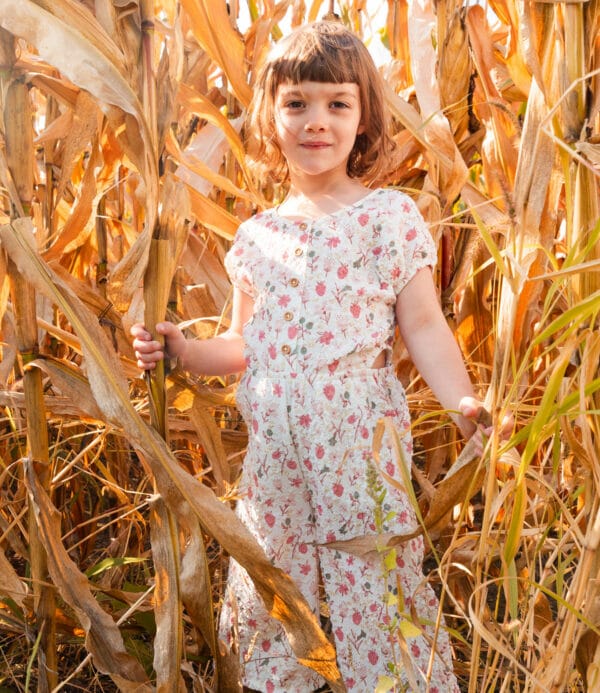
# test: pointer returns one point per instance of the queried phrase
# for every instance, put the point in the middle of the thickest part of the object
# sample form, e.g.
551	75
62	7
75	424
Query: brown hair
323	51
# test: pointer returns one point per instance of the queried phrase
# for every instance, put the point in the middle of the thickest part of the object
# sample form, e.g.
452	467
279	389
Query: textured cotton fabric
324	308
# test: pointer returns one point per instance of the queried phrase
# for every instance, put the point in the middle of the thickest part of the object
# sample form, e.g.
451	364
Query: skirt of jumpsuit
324	293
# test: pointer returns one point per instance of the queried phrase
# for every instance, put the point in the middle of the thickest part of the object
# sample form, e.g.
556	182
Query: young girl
320	283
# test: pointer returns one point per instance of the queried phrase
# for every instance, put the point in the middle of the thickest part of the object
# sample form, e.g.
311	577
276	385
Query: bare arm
434	350
216	356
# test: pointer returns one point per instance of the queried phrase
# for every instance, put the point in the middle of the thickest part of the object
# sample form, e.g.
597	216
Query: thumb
470	407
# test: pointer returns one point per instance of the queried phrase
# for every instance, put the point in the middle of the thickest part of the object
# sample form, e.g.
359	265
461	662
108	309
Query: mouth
315	145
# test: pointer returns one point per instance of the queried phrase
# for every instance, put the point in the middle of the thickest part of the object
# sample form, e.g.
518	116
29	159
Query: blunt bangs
321	57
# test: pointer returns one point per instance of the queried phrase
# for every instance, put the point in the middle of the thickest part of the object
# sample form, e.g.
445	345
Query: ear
361	128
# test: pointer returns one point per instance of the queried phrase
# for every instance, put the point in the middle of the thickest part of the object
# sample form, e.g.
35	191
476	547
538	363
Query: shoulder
398	201
251	228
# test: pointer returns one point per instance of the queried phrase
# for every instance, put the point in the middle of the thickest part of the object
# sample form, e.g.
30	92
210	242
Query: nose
316	119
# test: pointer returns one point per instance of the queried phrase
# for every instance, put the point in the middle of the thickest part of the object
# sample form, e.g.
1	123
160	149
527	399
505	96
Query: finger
149	357
469	406
148	347
138	330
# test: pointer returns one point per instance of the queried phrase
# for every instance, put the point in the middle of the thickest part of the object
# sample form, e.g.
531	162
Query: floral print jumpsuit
324	297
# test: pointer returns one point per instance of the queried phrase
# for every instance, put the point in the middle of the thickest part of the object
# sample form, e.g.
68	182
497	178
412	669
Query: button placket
299	268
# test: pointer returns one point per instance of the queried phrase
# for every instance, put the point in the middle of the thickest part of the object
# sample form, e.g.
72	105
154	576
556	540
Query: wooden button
294	281
303	226
298	252
285	349
288	315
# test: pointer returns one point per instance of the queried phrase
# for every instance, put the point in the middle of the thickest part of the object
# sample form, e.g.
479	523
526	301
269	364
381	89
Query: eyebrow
294	92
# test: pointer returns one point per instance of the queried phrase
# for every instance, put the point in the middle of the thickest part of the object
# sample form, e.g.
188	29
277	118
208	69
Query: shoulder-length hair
322	51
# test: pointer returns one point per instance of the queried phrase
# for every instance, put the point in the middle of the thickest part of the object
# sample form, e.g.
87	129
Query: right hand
149	352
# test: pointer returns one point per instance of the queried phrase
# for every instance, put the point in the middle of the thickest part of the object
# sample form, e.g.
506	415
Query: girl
320	283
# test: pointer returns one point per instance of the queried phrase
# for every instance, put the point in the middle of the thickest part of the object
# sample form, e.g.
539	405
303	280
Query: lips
315	145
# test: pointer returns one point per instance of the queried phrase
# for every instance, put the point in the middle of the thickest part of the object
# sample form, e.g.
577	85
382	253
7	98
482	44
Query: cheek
282	130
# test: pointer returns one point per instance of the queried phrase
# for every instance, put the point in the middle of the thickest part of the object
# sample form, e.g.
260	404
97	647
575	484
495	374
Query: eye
294	104
339	104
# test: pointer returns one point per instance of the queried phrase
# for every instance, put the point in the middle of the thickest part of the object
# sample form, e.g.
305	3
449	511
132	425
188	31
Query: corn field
123	180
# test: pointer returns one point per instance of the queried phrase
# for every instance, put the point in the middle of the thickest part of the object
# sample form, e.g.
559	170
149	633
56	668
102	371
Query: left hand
477	422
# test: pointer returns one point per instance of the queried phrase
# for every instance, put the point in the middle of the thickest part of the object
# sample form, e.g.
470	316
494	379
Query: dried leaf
103	639
212	28
11	585
167	602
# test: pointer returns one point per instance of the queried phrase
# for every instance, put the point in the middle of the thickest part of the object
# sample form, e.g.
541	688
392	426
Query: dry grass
123	181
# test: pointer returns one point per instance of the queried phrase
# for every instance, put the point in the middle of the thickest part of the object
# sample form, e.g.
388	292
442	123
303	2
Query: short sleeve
408	246
238	261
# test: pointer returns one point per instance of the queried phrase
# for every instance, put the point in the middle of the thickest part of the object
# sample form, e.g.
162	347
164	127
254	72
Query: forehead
308	89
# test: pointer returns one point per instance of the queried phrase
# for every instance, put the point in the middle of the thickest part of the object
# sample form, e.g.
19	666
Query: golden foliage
123	182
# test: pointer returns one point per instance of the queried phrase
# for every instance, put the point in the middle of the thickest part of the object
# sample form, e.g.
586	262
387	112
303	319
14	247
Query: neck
308	200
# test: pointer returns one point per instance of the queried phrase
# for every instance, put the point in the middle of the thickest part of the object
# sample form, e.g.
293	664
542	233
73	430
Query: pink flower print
339	634
277	390
411	234
390	468
377	251
319	452
342	271
350	683
406	208
303	548
272	351
352	419
343	589
351	579
332	367
292	464
329	391
261	336
305	568
373	657
355	310
270	519
320	288
276	455
252	622
363	219
338	490
356	618
415	649
266	645
400	562
326	338
373	608
330	536
333	242
270	685
364	432
395	272
305	420
255	425
308	464
292	331
284	300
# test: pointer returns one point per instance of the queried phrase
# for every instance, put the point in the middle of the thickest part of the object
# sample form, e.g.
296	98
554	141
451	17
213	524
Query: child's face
316	125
